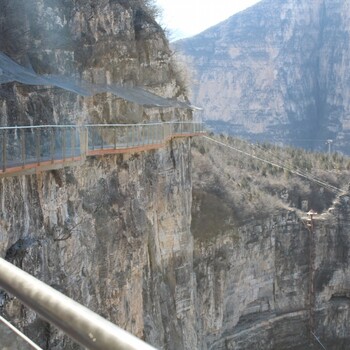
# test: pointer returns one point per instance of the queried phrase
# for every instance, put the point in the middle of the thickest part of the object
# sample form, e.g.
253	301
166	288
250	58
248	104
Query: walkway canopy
11	71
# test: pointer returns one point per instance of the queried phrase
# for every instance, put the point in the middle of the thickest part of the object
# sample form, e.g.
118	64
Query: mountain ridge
276	71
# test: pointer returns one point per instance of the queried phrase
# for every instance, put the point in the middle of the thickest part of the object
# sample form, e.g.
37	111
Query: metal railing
30	147
79	323
22	146
12	338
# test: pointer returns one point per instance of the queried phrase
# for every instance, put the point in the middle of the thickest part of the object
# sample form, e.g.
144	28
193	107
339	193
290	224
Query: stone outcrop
266	277
101	42
116	233
254	284
113	234
276	71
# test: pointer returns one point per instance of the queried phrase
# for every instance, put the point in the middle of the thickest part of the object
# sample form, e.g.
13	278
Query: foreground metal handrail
78	322
19	335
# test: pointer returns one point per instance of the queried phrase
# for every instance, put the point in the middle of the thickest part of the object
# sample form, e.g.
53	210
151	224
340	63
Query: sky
184	18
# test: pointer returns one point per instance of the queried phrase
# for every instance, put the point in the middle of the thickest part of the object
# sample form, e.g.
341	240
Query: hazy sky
189	17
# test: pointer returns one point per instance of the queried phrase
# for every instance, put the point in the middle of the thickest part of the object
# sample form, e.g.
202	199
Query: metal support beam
64	140
4	144
37	145
78	322
23	147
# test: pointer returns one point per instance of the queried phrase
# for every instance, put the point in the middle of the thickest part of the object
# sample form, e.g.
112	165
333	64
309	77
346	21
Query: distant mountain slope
279	70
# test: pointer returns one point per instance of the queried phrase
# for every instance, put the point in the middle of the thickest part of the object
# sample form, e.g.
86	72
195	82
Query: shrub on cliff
247	187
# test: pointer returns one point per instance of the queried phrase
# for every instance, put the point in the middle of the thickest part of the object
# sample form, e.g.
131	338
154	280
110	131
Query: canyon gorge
278	71
189	246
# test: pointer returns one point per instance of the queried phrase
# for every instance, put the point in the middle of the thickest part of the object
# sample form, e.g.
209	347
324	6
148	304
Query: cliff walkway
29	149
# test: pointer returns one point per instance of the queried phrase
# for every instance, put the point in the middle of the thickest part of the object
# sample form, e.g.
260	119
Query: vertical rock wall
266	284
113	42
278	70
113	235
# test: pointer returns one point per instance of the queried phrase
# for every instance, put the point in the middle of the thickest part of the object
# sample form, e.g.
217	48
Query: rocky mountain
265	275
187	249
278	71
113	234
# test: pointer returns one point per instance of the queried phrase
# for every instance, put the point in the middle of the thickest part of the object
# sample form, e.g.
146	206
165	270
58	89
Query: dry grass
230	188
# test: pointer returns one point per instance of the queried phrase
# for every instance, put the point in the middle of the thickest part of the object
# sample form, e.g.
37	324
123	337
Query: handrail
78	322
38	127
91	125
26	149
16	333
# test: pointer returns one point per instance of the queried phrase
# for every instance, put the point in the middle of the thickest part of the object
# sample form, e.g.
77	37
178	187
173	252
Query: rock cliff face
116	234
278	70
255	283
113	42
265	279
113	234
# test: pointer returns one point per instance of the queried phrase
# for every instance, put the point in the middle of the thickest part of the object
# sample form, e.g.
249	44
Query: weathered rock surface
113	42
113	234
264	279
276	71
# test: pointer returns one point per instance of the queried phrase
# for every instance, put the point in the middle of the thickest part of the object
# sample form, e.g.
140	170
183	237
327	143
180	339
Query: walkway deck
26	150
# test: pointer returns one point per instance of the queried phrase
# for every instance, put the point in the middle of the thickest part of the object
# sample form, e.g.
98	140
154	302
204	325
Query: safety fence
30	148
12	338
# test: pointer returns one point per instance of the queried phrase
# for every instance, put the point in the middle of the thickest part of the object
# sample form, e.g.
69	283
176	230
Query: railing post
85	141
72	143
4	137
52	144
37	145
115	137
23	147
127	136
87	135
138	136
142	133
133	136
93	136
64	144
